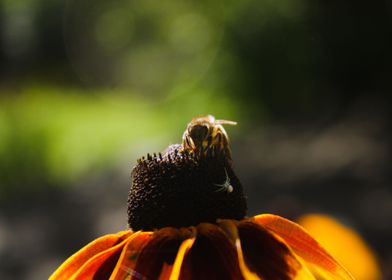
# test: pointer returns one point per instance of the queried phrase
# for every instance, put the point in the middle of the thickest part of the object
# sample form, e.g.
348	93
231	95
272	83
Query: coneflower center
181	189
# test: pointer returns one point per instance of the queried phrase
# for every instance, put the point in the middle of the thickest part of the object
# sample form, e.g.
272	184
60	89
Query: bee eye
198	132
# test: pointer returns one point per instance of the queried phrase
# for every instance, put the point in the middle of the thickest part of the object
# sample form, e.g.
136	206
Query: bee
204	133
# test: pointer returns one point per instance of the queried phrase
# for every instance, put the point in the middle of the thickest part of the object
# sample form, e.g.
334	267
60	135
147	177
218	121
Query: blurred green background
87	87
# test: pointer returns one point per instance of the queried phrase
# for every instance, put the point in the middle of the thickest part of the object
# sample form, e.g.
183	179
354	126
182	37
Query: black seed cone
179	190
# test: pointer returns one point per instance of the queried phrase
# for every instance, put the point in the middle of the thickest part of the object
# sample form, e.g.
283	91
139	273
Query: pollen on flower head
183	189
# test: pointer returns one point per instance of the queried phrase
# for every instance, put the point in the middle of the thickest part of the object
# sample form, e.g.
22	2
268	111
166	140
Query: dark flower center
181	189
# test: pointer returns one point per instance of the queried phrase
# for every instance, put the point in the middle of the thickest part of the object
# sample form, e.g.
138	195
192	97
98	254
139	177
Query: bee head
198	132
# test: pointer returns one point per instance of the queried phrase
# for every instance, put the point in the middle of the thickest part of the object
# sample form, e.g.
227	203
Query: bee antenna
225	122
160	156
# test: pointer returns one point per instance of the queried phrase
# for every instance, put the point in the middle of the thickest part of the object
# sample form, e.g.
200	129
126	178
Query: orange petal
212	256
304	245
101	265
246	273
266	255
125	267
184	249
343	243
77	260
160	252
230	228
166	271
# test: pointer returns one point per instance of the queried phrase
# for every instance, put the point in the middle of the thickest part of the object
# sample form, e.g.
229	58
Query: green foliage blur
55	135
84	83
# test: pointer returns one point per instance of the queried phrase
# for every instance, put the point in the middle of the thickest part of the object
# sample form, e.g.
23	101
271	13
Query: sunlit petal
264	254
73	263
101	265
160	251
304	245
304	274
125	267
212	256
184	249
166	271
343	243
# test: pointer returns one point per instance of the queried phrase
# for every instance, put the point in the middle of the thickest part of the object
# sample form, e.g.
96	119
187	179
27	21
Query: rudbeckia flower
187	219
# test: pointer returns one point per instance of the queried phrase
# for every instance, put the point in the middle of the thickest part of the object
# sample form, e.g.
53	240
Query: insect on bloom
205	133
186	224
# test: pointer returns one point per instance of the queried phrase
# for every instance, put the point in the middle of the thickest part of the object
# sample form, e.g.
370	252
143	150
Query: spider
226	186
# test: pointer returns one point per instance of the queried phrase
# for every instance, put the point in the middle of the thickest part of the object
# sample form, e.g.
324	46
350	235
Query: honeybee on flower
205	133
181	227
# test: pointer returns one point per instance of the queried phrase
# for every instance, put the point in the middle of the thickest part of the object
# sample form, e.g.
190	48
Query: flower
263	247
187	214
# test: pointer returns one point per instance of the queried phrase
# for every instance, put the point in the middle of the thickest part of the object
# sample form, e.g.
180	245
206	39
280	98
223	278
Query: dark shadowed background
87	87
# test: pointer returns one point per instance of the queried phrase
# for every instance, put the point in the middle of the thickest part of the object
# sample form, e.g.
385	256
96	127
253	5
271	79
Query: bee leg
224	145
219	140
189	145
